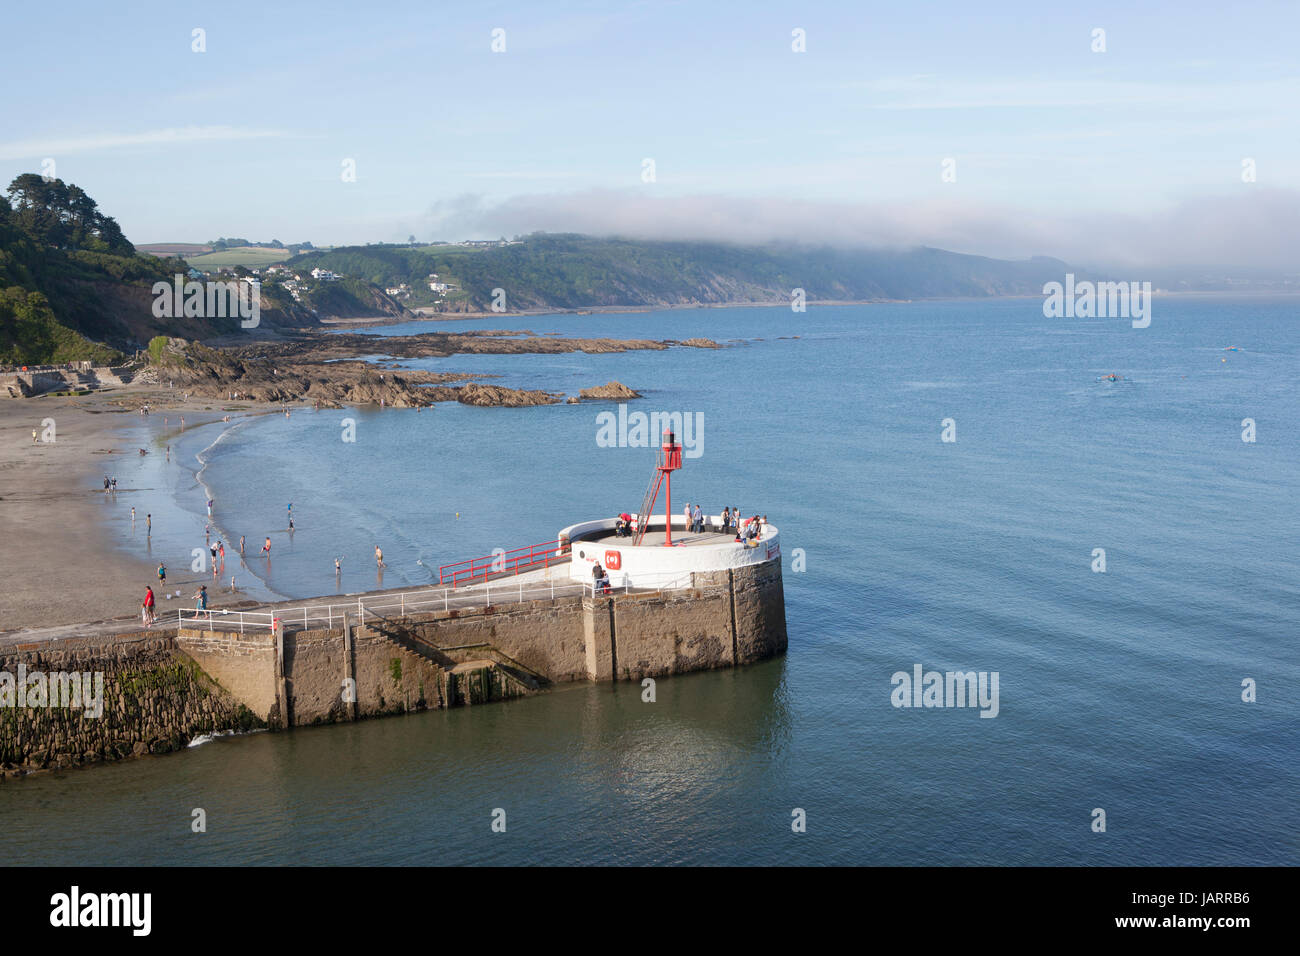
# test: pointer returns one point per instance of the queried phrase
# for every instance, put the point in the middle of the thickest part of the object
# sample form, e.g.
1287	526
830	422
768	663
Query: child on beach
201	598
266	548
162	573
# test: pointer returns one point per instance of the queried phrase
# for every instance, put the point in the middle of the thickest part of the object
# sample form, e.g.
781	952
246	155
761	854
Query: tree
55	213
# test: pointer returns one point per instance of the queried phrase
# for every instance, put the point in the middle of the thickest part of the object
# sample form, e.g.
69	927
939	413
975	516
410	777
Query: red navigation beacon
670	460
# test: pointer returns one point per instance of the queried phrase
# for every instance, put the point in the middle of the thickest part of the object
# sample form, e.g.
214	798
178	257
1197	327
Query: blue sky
1053	143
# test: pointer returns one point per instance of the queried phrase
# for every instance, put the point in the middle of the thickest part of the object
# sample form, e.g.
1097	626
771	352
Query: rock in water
615	391
497	395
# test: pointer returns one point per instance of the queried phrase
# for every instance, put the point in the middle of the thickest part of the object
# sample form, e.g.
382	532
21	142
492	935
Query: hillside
577	272
72	287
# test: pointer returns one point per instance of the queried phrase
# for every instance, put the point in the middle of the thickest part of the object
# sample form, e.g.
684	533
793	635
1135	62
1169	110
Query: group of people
149	606
745	529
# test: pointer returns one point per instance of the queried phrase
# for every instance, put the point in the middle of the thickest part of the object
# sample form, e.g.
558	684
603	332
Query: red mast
670	459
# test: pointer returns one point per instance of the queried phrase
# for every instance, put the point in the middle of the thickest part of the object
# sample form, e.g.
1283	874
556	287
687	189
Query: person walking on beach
162	573
209	507
201	598
266	548
221	551
148	523
379	557
147	607
241	544
133	514
35	440
212	548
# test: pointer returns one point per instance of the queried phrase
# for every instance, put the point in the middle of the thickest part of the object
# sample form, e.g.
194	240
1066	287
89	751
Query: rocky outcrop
698	343
610	391
476	394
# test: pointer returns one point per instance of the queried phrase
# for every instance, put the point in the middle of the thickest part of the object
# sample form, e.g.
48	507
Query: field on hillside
248	256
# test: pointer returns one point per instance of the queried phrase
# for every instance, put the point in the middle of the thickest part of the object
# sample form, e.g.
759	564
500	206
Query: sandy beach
59	563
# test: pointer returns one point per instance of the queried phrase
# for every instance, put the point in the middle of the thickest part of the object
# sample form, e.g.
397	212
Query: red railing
503	562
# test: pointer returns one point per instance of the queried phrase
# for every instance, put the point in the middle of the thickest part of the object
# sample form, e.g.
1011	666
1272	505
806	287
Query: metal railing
502	562
414	602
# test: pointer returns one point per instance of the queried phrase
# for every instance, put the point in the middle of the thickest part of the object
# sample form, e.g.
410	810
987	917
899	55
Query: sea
959	486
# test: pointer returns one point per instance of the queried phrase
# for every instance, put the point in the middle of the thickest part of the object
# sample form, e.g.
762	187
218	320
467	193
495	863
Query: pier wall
730	617
154	699
162	691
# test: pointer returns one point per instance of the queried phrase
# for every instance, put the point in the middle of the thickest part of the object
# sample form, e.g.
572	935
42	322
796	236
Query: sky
997	128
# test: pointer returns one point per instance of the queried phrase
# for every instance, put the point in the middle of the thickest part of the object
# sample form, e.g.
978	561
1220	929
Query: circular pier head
653	565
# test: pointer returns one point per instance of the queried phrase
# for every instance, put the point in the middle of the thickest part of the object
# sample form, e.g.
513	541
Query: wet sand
58	562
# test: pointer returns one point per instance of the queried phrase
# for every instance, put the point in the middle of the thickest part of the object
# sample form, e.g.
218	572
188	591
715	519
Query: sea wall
47	378
154	699
162	690
441	659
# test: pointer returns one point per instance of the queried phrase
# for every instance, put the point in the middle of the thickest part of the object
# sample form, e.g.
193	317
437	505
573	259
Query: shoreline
420	315
55	518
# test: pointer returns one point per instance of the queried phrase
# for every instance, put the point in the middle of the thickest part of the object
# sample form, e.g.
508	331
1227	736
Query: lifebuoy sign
613	560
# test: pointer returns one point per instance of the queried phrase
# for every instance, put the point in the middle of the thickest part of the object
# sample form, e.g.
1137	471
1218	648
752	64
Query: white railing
413	602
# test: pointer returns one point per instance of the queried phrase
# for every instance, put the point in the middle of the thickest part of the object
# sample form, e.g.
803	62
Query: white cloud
1259	228
27	149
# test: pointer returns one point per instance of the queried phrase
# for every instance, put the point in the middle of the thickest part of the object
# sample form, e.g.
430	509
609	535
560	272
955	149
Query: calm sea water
1119	690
